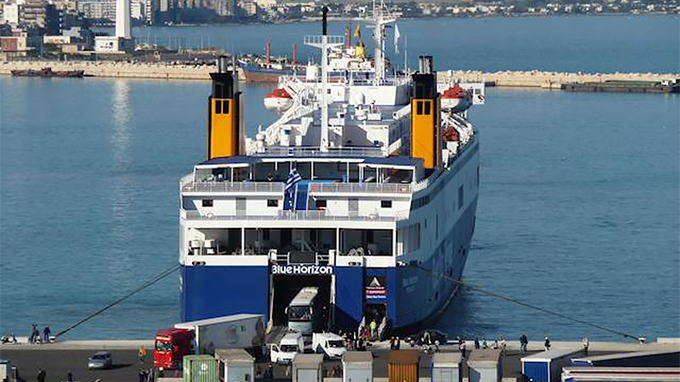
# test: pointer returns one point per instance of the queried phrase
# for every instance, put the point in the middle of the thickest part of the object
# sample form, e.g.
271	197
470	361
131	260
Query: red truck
240	331
171	347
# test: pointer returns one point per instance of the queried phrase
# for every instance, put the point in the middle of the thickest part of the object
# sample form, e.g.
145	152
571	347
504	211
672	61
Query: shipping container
403	366
200	368
235	365
357	366
485	366
446	367
662	358
307	368
620	374
547	366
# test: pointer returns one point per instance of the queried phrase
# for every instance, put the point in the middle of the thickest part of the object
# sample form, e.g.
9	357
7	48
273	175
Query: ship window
207	202
225	107
419	107
386	203
461	200
427	108
320	203
272	203
218	107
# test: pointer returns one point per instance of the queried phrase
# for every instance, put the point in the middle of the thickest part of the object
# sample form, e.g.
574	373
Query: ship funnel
425	65
425	116
225	113
222	64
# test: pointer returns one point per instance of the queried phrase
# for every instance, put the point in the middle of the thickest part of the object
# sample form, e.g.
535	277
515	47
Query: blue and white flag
289	191
293	179
396	38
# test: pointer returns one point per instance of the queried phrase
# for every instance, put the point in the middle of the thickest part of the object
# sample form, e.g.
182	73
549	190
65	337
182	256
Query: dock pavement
60	357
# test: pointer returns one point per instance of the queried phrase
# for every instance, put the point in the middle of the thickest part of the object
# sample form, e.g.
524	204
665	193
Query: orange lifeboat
278	101
456	99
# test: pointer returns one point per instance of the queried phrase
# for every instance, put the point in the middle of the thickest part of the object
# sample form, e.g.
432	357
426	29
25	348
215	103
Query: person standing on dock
141	354
523	343
586	344
461	347
46	334
69	376
476	343
547	343
35	335
398	345
42	374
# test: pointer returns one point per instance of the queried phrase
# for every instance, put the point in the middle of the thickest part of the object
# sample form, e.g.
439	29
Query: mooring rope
527	305
147	284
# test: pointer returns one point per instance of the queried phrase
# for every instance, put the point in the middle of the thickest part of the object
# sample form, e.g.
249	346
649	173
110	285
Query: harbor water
578	209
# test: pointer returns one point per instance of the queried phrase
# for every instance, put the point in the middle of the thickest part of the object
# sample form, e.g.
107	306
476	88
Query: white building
11	13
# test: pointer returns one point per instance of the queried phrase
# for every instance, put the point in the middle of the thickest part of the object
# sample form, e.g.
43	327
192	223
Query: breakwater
548	80
167	71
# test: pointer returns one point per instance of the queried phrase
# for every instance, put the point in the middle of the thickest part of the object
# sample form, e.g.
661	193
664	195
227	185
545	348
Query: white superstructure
354	191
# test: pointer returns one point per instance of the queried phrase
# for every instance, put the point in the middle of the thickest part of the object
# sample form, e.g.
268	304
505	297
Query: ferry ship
365	189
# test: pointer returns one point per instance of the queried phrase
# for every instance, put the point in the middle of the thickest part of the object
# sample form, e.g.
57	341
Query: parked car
427	337
100	360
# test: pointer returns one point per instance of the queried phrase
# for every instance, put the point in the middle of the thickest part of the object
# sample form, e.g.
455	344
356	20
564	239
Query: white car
292	343
330	345
100	360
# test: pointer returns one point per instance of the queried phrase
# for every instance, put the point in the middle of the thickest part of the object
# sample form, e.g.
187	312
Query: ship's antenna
406	54
324	82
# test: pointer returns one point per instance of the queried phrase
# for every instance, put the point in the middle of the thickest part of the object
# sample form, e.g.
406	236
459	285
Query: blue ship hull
213	291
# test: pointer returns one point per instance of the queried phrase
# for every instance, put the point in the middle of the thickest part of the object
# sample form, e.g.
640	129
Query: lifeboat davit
278	101
456	99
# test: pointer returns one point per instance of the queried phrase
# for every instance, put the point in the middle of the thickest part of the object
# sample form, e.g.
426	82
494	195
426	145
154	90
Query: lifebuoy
480	97
210	215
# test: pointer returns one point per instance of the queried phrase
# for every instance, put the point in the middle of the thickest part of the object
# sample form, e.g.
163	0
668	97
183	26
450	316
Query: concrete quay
166	71
112	69
547	80
59	357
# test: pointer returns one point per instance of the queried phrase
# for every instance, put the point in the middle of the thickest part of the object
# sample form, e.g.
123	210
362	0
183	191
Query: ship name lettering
302	269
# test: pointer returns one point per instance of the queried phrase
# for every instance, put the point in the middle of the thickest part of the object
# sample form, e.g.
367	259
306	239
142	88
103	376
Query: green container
200	368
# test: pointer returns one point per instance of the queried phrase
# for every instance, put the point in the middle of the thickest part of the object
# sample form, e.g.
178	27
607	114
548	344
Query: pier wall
166	71
547	80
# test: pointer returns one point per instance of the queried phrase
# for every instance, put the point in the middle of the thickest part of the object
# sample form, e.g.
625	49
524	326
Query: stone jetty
169	71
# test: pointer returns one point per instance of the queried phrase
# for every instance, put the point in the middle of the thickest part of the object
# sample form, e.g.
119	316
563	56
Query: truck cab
292	343
171	345
330	345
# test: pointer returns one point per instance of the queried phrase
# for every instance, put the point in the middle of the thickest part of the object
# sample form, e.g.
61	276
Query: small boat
278	101
456	99
625	86
48	72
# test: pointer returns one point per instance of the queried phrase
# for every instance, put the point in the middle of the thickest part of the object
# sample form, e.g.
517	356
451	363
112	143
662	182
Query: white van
292	343
330	345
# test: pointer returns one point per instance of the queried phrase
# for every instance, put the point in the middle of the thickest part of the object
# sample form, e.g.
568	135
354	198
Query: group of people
395	343
355	341
497	344
42	374
35	335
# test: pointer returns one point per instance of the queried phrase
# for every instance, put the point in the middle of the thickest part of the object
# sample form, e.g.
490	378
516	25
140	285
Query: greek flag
293	179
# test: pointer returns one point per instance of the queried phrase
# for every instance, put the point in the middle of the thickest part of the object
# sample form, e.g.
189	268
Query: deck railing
378	188
227	186
295	151
310	215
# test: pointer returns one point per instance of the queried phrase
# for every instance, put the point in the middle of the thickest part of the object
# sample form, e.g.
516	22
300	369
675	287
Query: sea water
578	209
